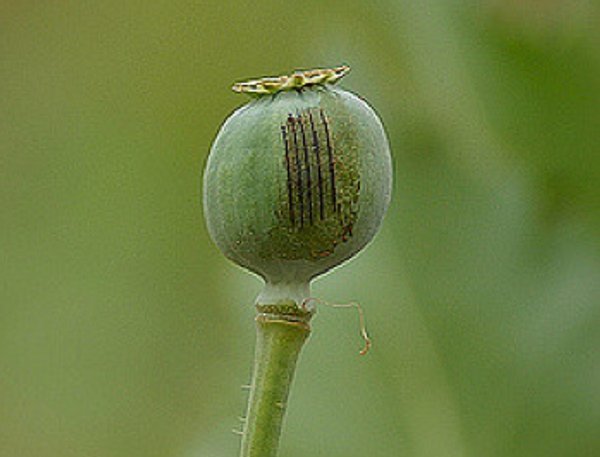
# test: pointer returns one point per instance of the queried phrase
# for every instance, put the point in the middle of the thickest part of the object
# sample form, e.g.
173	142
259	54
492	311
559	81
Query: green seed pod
297	181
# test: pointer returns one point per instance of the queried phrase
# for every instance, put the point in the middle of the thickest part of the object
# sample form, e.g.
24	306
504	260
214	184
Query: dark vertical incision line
292	124
331	160
318	160
307	167
290	183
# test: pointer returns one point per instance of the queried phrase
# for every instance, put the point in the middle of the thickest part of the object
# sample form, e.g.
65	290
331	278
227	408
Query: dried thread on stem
361	317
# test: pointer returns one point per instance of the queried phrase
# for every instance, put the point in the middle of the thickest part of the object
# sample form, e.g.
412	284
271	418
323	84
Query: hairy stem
280	337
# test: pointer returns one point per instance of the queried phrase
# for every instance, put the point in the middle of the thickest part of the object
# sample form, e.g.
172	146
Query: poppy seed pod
297	181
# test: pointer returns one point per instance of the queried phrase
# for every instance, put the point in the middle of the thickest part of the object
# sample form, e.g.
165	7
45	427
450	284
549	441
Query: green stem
280	337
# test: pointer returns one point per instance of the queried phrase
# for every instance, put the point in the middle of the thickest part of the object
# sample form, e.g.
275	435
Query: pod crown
297	80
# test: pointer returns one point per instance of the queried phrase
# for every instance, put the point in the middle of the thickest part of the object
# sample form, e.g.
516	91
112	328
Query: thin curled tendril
361	315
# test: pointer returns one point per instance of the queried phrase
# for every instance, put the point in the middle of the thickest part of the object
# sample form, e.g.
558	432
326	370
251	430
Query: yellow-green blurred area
124	333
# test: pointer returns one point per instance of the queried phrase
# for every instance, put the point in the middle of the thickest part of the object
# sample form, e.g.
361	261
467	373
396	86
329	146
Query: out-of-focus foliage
124	333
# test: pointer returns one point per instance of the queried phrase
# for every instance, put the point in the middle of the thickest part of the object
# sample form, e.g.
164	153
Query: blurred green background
123	332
